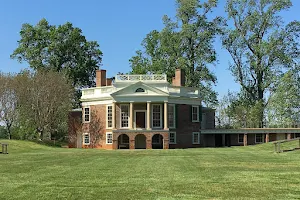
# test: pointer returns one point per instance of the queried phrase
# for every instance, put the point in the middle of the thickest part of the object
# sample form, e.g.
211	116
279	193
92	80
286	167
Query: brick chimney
100	78
109	81
179	79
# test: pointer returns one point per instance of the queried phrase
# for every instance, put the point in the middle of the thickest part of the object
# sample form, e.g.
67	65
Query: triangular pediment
139	89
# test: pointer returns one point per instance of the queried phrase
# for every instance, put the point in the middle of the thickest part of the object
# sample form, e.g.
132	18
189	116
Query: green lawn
33	171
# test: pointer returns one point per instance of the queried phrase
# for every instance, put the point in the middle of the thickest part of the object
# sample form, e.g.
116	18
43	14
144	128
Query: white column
165	115
114	115
130	115
148	115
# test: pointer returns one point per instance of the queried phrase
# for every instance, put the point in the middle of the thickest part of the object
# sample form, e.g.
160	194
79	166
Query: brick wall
97	128
74	127
185	128
132	134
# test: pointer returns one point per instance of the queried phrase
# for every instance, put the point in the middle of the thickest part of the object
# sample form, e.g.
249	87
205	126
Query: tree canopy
186	43
262	47
59	48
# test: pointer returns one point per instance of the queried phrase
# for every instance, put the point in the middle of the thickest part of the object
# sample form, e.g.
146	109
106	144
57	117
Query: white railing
101	91
133	78
184	91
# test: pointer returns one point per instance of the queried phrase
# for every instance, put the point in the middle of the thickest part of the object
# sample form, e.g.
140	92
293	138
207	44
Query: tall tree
261	46
44	101
283	108
185	43
59	48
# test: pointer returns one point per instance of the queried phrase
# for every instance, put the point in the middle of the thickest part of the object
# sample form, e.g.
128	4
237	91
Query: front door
140	119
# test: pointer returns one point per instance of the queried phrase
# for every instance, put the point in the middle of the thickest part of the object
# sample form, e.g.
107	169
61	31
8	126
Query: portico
141	112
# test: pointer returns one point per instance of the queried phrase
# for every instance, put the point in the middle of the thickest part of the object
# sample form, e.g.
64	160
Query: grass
34	171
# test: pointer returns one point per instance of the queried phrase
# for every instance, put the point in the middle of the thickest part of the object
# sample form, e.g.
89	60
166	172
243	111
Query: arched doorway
140	141
123	141
157	141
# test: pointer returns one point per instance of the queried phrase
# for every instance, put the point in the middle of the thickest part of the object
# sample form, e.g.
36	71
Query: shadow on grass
294	149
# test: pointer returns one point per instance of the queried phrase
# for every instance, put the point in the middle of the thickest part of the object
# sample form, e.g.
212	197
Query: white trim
197	120
144	111
92	103
160	115
83	138
107	137
185	100
174	137
262	138
128	105
194	133
111	116
83	113
174	115
239	138
140	99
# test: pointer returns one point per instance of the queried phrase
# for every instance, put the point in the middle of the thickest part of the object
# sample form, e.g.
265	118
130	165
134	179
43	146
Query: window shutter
176	115
200	113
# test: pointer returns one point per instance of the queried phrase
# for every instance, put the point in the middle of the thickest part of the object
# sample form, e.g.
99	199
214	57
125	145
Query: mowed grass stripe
32	171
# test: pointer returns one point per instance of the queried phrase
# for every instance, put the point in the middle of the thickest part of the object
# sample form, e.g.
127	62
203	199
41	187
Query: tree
96	126
59	48
3	132
261	47
185	43
283	107
8	102
44	101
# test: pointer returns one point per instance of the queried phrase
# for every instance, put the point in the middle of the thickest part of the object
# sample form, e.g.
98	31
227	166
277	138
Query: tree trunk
260	92
9	132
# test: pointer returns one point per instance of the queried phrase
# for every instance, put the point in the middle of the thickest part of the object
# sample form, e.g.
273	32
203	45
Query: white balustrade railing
184	91
90	92
133	78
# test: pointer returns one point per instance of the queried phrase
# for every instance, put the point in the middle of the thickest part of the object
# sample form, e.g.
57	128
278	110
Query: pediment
139	89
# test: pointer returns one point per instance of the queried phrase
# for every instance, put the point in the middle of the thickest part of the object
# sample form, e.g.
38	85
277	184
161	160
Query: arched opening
123	141
140	141
157	141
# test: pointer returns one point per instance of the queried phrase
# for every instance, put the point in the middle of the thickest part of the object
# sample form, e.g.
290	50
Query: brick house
147	112
141	112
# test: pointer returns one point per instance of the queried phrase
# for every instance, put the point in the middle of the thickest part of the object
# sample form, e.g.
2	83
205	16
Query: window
156	116
171	115
140	90
86	138
241	138
109	117
196	138
195	113
124	139
124	116
172	137
86	114
109	138
297	135
157	139
258	138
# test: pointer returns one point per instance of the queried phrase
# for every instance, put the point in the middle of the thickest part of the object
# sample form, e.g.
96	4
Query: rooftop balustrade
146	78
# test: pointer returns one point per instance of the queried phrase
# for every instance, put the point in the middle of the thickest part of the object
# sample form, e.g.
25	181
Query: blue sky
118	26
